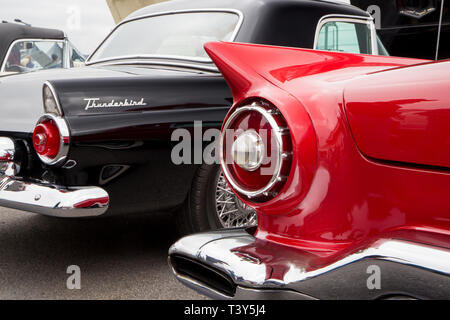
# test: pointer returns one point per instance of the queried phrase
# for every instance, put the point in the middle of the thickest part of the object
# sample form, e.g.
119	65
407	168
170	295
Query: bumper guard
44	198
232	264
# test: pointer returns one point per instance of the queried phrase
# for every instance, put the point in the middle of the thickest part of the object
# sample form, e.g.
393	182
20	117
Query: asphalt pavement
118	257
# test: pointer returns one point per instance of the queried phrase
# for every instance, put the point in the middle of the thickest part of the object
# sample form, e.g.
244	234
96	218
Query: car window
76	59
382	51
28	56
169	35
352	37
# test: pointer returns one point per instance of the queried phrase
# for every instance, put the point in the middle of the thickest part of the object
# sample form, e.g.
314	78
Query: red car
346	158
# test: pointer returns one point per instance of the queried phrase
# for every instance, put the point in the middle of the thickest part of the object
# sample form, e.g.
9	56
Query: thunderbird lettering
96	103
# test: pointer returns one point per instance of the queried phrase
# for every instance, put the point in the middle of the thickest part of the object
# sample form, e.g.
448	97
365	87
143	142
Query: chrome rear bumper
232	264
44	198
53	200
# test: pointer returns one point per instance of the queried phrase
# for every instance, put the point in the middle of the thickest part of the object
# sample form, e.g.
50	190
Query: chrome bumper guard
44	198
232	264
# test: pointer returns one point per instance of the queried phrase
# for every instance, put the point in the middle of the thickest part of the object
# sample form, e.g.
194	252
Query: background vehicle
355	203
113	121
26	49
410	28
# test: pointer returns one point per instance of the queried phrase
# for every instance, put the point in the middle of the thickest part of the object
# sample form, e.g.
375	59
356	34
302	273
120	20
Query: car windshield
175	35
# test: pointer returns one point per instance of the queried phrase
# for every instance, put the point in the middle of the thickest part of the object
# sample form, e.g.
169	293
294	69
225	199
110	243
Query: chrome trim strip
275	129
52	200
409	268
168	64
373	38
436	57
349	18
64	144
66	54
2	69
208	60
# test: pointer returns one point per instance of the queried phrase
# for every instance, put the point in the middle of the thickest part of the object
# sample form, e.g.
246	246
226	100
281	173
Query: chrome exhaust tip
187	268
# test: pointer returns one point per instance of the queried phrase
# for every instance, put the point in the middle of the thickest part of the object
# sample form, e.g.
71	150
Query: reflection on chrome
8	166
52	200
265	270
45	198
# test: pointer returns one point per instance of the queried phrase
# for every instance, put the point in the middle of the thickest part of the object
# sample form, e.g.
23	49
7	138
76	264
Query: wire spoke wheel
232	212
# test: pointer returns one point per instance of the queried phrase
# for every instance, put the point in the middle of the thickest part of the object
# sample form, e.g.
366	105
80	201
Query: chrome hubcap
231	211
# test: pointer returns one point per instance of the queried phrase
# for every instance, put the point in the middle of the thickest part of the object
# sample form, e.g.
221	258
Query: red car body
368	182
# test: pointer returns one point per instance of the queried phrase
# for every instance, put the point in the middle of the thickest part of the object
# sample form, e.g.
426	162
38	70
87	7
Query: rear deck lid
403	115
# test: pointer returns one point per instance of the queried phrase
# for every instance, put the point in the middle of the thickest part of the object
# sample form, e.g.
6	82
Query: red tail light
256	151
51	139
47	139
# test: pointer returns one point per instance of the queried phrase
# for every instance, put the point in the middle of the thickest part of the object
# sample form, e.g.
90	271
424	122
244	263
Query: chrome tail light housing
256	151
51	138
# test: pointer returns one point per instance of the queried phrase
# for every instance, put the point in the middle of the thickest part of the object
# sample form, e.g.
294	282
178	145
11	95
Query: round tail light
256	151
51	139
46	139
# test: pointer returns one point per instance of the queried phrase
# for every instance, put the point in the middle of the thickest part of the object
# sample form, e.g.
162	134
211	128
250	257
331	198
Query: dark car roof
9	32
272	22
246	6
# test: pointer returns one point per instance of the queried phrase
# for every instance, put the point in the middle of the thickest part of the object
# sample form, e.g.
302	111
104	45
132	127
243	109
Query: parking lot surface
118	257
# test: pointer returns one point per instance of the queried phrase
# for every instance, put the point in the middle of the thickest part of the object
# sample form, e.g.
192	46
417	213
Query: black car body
410	28
25	49
116	116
